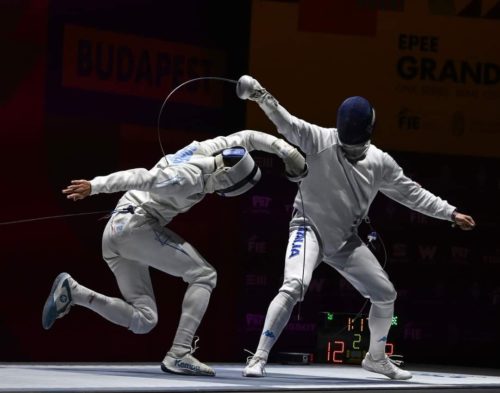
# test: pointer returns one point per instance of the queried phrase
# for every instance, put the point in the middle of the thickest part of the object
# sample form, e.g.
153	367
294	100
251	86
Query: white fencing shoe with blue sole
59	301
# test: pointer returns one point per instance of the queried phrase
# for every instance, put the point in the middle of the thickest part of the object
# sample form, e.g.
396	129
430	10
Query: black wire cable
52	217
173	91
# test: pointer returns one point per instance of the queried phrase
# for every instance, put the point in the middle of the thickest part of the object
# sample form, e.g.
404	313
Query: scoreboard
344	338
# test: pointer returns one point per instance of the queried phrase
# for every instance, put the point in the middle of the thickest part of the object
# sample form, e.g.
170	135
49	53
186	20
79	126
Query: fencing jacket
174	185
337	193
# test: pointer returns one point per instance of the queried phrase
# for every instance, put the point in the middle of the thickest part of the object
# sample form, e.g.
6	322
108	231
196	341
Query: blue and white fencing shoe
59	301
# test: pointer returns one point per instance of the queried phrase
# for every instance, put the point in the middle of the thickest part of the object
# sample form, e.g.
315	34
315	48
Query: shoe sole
253	375
49	314
186	372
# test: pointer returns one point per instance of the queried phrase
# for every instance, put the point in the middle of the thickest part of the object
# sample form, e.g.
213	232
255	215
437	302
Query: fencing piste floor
140	377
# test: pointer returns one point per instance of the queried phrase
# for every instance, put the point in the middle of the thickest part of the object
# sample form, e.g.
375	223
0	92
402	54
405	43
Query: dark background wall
81	84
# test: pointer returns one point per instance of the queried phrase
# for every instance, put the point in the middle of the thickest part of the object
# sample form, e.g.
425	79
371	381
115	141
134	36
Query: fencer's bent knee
387	297
211	279
294	289
205	275
144	320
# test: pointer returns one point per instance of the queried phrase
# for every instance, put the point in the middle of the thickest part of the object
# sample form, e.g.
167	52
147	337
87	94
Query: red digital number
339	348
338	351
389	349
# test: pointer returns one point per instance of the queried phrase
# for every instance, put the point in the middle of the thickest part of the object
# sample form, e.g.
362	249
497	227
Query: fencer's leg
281	307
277	317
194	306
113	309
140	315
293	287
360	267
138	311
166	251
379	323
179	359
202	278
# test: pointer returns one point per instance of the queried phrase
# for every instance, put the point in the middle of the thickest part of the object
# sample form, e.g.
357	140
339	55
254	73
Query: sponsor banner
110	62
430	68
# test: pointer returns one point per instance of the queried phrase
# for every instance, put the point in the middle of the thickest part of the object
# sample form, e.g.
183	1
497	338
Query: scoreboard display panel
344	338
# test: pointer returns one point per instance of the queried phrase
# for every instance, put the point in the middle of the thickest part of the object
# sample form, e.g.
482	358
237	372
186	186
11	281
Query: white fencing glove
295	164
249	88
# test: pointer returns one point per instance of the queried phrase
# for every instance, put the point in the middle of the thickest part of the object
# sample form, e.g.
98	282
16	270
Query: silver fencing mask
236	172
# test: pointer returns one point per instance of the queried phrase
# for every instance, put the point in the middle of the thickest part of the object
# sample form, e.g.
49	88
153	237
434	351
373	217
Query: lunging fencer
345	173
135	237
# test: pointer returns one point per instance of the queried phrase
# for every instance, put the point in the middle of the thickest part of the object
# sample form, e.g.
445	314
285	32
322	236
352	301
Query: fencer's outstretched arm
297	131
402	189
295	164
164	179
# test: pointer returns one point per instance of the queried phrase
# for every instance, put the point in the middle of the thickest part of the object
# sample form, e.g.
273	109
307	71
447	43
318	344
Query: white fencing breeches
131	245
355	262
361	268
298	264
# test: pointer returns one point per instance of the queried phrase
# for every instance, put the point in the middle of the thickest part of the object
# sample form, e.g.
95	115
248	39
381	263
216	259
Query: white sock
113	309
277	317
194	305
379	322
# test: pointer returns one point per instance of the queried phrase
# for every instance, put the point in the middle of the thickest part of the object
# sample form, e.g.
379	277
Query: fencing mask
238	172
230	173
355	121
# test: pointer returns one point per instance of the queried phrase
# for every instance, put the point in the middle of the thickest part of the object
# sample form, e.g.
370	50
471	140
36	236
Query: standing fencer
135	237
345	173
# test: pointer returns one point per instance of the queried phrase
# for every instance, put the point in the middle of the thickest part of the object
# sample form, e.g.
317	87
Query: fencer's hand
78	189
464	221
248	88
295	166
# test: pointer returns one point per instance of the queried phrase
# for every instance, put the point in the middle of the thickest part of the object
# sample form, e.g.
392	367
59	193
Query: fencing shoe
385	366
59	301
255	367
187	365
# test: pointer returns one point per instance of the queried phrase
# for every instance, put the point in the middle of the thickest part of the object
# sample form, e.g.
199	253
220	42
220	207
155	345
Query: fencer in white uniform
135	237
345	173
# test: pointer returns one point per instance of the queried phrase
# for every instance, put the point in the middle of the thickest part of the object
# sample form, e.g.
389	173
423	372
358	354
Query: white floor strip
141	377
